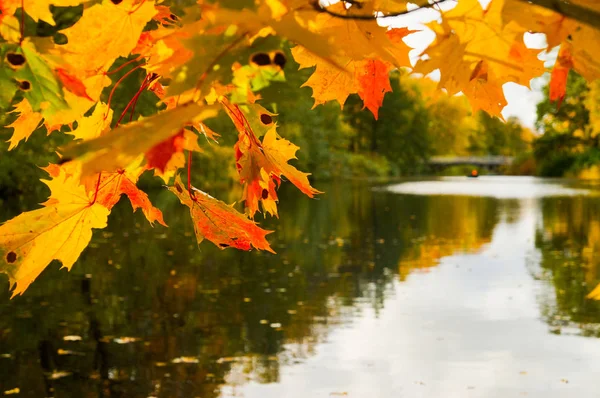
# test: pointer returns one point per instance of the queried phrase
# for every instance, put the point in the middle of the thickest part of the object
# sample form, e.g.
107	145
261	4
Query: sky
521	100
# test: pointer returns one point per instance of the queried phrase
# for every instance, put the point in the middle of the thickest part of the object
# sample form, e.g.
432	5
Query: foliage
570	143
63	68
497	138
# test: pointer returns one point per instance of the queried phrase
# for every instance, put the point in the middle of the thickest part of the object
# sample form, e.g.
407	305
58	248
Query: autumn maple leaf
262	164
58	231
220	223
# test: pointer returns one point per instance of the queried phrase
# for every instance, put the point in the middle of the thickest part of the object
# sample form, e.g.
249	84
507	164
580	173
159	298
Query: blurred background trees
415	123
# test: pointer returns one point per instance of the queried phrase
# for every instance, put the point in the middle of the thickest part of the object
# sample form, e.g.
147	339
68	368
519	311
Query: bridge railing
474	160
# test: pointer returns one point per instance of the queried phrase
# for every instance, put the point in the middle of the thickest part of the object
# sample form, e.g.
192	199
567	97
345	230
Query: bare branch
570	10
369	17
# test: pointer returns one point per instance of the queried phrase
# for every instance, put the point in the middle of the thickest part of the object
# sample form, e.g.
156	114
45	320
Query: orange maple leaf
261	164
219	223
373	83
110	187
560	74
159	156
72	83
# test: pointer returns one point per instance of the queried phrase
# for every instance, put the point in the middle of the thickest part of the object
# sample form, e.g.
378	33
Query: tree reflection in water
569	241
145	312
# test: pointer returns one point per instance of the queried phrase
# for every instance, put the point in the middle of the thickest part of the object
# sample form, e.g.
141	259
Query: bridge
484	162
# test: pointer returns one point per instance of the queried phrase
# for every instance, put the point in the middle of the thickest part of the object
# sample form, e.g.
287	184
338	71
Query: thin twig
97	189
189	176
124	65
119	82
22	22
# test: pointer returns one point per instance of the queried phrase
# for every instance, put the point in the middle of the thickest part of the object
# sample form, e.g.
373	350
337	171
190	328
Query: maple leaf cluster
209	59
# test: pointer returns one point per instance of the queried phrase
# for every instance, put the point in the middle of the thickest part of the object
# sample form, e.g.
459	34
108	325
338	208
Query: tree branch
570	10
370	17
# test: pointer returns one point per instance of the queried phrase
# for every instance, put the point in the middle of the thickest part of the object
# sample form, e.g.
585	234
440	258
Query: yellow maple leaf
78	106
582	38
471	39
328	82
10	28
539	20
484	92
27	122
39	9
447	55
93	126
486	37
58	231
112	29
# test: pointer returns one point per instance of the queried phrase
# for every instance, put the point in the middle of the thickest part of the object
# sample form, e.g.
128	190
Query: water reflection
146	313
569	241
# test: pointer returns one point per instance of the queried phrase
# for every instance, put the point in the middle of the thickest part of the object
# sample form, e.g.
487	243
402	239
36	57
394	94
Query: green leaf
8	85
22	68
45	93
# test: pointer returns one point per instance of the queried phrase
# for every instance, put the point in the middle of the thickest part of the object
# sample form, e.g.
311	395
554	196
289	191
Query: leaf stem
97	189
189	176
117	84
124	65
150	79
147	81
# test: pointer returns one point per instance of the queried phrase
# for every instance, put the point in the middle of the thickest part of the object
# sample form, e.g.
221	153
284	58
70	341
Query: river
448	287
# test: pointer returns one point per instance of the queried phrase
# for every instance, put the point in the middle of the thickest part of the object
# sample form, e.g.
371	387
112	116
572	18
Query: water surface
440	288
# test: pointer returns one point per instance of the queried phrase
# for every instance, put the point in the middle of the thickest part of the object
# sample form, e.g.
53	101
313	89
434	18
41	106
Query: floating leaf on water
59	374
185	360
60	351
126	340
227	359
